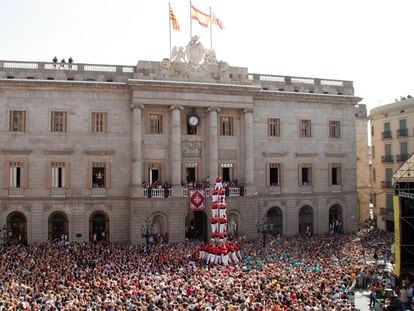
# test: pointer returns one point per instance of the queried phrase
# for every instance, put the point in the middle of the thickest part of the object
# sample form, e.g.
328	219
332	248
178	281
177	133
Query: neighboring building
363	164
84	148
392	139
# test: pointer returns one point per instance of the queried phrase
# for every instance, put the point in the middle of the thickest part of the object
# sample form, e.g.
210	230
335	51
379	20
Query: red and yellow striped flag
202	18
174	21
216	21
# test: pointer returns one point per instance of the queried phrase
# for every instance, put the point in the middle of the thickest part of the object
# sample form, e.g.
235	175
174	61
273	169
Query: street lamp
147	230
264	228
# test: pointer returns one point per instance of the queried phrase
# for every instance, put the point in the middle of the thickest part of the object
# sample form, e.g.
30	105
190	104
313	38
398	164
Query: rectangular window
99	175
154	174
226	128
305	128
334	129
403	124
403	148
58	175
58	121
16	174
305	177
274	174
387	149
388	176
373	151
389	197
227	172
17	121
99	122
336	174
372	131
374	175
273	127
155	123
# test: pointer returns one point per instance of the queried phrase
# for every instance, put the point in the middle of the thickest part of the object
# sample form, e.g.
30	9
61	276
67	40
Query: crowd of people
290	273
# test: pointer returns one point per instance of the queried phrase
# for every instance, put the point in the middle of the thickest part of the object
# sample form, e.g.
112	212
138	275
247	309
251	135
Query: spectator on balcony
62	63
54	61
70	60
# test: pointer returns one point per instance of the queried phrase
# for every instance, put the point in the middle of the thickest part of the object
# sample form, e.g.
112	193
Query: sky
366	41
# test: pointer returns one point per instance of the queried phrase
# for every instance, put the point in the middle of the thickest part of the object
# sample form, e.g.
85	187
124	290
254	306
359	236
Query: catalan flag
202	18
216	21
174	21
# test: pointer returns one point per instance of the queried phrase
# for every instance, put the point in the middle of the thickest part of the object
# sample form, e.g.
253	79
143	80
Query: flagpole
191	22
211	33
169	24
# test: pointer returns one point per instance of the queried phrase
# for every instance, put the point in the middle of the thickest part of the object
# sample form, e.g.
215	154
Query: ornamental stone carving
191	149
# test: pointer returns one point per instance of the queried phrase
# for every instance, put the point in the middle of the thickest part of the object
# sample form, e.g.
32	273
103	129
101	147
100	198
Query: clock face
193	120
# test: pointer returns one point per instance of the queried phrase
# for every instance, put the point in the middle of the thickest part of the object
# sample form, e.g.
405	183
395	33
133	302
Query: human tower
220	250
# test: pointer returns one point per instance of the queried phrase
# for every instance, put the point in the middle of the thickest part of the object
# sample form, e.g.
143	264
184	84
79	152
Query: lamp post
147	230
264	228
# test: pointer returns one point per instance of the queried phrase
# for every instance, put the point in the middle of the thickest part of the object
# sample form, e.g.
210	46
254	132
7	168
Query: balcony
402	157
336	188
58	193
274	190
98	192
306	188
387	158
16	193
157	193
386	184
402	133
387	135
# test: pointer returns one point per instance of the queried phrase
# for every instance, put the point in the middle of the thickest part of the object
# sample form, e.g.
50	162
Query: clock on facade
193	120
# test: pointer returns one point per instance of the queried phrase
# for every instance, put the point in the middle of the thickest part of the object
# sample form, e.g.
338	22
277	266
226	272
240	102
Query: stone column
136	127
213	143
248	142
176	148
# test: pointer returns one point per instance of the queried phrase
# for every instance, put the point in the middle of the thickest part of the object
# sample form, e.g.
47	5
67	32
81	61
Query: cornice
274	154
58	151
335	154
16	151
306	154
99	152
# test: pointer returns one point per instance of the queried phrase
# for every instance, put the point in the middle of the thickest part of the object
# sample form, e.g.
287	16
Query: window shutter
330	174
7	174
268	174
67	174
299	174
280	175
48	179
108	175
89	178
25	175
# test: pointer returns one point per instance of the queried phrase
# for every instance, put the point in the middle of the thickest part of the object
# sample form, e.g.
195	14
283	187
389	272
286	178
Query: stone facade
363	164
392	132
128	124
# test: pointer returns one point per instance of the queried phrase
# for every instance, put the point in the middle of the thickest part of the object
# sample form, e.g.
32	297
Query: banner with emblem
196	200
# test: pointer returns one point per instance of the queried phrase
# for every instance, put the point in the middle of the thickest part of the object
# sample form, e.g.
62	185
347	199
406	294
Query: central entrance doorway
196	226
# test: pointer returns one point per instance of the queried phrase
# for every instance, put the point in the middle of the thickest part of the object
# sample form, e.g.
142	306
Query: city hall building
103	152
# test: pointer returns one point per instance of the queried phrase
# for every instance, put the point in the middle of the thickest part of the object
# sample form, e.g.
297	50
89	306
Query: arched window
274	216
99	227
58	226
306	220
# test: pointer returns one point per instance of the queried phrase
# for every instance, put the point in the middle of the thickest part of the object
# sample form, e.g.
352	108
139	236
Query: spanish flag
216	21
174	21
202	18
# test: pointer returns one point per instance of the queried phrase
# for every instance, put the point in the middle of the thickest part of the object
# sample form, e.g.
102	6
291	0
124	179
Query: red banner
197	200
